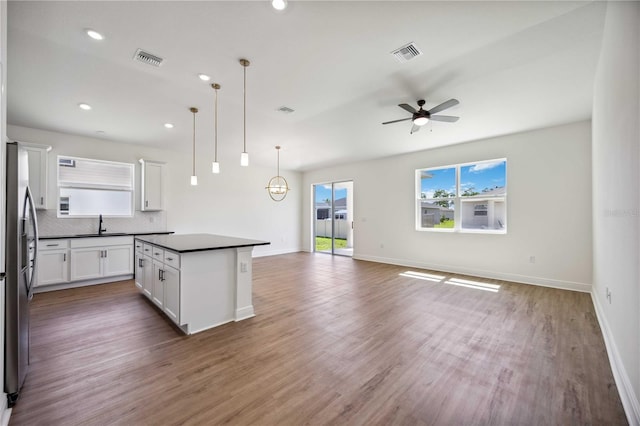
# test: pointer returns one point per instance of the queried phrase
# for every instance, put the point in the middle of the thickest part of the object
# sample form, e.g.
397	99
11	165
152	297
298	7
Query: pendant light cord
216	129
194	143
244	112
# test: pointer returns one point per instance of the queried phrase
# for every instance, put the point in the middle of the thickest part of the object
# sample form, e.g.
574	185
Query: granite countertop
105	234
184	243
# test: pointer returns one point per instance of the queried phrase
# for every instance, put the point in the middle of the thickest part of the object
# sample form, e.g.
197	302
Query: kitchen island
199	281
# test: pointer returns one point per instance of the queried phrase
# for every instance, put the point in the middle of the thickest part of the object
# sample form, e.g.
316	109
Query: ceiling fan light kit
420	117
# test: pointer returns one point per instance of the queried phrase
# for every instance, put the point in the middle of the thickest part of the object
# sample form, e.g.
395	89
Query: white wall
231	203
616	198
548	171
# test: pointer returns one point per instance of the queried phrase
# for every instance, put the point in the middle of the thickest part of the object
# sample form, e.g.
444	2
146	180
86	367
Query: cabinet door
38	175
147	284
152	186
118	260
86	263
53	267
172	293
157	294
139	272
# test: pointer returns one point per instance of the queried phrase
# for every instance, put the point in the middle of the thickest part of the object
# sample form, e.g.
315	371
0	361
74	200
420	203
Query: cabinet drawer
138	246
157	253
146	249
172	259
52	244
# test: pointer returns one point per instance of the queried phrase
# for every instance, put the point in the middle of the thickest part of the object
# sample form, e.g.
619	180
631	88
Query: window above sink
88	188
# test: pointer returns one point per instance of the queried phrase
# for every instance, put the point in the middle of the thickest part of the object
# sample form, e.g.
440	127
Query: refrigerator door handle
33	224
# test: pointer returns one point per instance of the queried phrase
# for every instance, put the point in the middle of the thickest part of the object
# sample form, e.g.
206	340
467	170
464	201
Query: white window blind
86	173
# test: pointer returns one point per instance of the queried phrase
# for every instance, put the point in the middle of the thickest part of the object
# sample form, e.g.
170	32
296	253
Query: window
91	187
467	197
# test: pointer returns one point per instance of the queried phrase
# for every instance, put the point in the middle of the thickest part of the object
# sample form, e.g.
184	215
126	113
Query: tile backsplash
50	225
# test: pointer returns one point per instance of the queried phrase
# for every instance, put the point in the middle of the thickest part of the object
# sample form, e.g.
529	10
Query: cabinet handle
64	257
146	203
169	258
53	245
41	200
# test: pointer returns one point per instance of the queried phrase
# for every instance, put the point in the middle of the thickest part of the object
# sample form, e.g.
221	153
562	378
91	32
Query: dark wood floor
335	341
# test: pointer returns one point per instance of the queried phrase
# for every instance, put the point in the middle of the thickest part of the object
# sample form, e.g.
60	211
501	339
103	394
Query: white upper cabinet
38	168
151	185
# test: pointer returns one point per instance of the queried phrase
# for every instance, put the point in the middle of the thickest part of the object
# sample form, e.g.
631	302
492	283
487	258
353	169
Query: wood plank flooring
335	341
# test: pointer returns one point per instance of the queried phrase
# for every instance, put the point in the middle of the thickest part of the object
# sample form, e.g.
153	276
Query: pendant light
244	157
215	166
278	186
194	178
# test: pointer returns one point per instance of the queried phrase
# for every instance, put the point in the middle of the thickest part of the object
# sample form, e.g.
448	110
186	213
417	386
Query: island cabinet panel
86	263
171	280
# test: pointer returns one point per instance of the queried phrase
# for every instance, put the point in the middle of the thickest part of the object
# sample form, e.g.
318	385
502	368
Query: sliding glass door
333	218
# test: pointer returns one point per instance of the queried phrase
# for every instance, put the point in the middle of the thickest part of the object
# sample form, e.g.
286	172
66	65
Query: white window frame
95	186
458	200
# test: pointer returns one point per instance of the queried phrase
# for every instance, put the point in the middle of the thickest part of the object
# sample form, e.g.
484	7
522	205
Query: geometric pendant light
194	178
215	166
278	186
244	157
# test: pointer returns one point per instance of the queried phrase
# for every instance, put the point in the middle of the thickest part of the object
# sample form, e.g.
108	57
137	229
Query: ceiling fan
420	117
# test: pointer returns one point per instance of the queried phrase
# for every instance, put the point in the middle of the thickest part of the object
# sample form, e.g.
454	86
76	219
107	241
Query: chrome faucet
100	228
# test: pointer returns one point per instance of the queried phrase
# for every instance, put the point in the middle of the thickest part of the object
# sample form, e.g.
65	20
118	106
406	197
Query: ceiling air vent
285	109
406	52
148	58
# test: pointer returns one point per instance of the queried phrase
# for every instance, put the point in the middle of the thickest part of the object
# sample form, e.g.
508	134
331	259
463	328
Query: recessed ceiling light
279	4
204	77
84	106
168	125
94	34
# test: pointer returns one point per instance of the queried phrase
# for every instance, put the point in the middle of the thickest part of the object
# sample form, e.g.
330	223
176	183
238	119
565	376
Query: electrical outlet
532	259
381	245
609	295
243	266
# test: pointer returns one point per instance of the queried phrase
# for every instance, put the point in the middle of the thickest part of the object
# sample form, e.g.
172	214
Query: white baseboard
524	279
263	253
628	397
244	313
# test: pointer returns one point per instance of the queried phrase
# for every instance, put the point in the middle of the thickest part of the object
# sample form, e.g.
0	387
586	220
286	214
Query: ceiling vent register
406	52
148	58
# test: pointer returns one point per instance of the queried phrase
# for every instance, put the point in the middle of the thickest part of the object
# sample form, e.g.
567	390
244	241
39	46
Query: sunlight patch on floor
477	285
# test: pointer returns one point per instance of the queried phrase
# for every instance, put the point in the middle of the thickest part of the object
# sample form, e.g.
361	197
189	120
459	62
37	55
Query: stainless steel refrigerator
21	248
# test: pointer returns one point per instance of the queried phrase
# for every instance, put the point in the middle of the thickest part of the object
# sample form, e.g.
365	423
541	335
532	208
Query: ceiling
514	66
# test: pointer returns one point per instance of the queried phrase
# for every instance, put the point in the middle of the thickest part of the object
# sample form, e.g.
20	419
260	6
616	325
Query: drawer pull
157	254
53	245
169	258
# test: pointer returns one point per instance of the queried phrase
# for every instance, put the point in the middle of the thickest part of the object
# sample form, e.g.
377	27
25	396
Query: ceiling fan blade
414	129
408	108
444	105
447	118
397	121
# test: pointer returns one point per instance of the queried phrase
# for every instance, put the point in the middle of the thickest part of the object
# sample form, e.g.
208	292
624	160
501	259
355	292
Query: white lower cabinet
171	280
53	262
158	279
104	260
84	259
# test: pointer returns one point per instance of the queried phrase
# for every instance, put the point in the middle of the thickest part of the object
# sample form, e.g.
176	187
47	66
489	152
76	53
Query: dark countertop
185	243
106	234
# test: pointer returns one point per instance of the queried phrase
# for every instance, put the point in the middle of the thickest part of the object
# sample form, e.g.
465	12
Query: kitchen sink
104	234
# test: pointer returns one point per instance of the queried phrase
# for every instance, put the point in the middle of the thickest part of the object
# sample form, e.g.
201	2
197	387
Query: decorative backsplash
50	225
